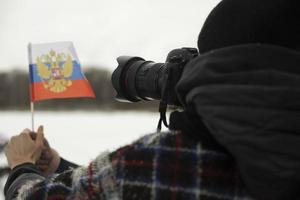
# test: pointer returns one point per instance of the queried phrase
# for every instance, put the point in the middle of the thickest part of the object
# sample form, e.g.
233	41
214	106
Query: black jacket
248	97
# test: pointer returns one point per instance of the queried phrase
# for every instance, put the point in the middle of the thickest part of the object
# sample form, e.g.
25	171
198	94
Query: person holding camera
236	138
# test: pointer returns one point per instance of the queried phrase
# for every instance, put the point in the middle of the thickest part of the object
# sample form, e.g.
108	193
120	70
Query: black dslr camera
136	79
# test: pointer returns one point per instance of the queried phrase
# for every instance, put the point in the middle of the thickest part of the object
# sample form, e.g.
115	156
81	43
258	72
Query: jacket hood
248	97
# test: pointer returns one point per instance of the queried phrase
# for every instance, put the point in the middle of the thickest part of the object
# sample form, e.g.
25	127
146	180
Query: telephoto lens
136	79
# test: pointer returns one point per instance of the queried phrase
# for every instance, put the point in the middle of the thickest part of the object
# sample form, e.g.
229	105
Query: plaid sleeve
173	166
58	187
97	181
158	166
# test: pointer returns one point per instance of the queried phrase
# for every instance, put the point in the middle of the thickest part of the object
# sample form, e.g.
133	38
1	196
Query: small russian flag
55	72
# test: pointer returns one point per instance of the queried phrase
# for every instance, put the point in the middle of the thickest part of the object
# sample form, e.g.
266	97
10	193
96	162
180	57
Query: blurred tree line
14	94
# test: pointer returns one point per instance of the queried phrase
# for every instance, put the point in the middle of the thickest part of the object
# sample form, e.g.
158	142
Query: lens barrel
136	79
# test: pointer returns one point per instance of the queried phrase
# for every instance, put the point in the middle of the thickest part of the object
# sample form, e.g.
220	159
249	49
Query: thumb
40	135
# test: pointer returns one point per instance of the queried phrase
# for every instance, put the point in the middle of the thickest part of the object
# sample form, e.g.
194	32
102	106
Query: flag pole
31	102
32	115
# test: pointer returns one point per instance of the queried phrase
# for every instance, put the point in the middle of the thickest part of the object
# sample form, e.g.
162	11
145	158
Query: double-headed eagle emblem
55	69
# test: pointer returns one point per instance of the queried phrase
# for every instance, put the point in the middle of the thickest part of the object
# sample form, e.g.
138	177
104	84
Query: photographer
237	138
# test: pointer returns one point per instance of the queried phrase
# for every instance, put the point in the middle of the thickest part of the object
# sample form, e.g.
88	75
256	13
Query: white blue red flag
55	72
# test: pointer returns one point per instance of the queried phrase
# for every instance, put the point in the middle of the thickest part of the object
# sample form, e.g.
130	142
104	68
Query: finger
40	136
26	137
45	155
42	168
40	128
46	143
13	140
25	134
26	130
42	162
45	165
7	146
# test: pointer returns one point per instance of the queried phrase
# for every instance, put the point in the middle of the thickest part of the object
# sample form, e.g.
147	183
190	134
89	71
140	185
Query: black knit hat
234	22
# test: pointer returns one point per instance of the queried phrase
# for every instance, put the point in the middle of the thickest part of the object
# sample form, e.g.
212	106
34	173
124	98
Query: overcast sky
100	30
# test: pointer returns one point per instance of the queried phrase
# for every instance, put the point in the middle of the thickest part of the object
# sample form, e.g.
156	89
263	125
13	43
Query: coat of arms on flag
55	72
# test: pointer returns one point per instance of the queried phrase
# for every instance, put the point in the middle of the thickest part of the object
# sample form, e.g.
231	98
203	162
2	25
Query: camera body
136	79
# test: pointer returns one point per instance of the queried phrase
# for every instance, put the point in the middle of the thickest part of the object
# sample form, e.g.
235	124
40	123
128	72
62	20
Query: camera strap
162	118
163	104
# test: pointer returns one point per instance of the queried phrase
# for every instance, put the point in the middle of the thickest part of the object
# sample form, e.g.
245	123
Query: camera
136	79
